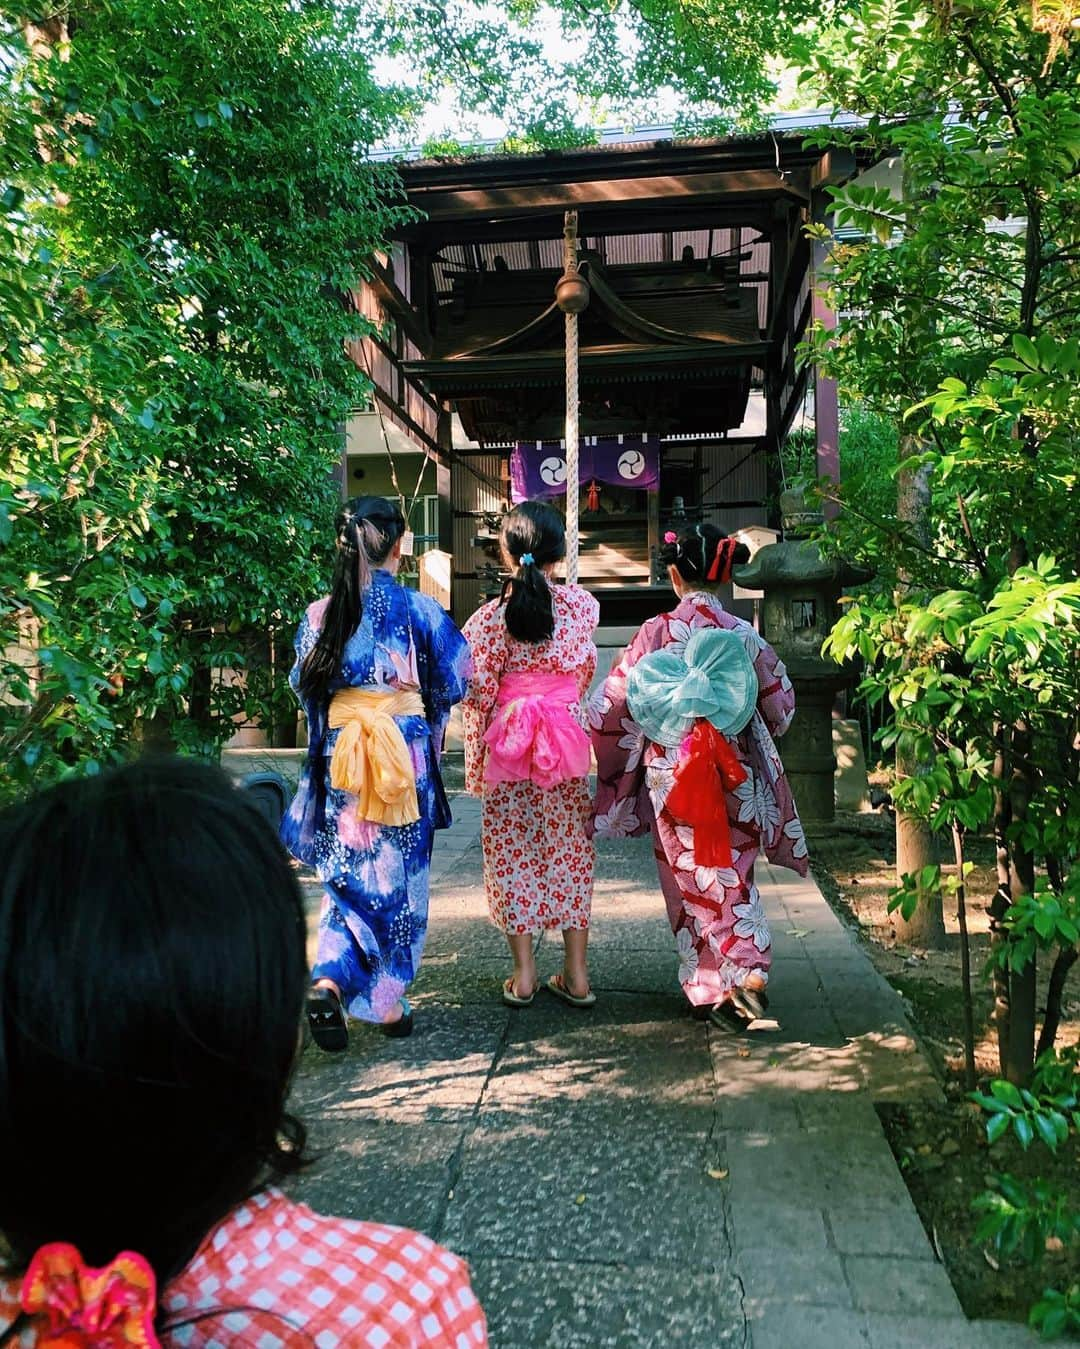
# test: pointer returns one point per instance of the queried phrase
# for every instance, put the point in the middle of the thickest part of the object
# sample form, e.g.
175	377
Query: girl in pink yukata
152	981
684	733
527	753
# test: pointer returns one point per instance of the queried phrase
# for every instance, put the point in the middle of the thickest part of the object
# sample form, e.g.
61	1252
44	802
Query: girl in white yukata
527	753
684	737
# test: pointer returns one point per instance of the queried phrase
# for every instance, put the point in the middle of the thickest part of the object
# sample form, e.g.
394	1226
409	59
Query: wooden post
444	434
826	401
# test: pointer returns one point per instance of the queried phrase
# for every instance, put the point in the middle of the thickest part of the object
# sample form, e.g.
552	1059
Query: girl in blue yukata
377	670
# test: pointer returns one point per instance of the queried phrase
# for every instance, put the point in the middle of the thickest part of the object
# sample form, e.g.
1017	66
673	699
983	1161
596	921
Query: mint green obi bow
713	681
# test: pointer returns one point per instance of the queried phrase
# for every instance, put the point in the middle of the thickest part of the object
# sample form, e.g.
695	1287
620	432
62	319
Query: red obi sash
697	798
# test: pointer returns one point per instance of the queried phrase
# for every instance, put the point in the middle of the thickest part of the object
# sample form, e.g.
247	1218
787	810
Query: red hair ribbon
697	798
721	563
109	1308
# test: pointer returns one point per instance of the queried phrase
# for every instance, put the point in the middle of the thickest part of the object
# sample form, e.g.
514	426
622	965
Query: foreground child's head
152	971
533	539
701	557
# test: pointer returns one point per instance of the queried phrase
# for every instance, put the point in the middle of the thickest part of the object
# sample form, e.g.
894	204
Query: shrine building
700	290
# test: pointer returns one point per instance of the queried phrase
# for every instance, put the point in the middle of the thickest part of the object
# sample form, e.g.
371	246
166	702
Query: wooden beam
613	162
396	361
835	166
474	372
662	192
826	399
442	476
754	213
386	290
430	446
798	392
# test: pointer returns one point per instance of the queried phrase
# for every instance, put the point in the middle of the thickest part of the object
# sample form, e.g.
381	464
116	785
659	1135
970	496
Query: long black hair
532	536
152	975
367	529
703	554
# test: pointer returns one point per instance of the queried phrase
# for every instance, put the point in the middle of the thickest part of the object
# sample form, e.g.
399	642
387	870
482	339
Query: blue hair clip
526	560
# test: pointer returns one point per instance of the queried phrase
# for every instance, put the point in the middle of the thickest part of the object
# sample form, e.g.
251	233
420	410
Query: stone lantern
800	605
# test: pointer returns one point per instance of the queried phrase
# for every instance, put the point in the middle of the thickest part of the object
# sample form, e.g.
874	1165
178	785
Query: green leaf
1026	350
137	597
1006	1092
1046	1131
1023	1131
996	1126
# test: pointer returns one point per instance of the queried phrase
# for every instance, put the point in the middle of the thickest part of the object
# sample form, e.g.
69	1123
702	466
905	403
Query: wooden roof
696	260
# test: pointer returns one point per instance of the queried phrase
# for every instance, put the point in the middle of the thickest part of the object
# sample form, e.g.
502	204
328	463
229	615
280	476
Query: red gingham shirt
279	1276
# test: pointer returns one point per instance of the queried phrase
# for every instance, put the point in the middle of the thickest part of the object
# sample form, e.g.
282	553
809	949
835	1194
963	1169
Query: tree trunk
1066	958
915	847
199	701
965	960
998	906
1021	882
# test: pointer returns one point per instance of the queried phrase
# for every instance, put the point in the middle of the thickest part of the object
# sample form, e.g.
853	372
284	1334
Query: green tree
960	312
960	309
185	202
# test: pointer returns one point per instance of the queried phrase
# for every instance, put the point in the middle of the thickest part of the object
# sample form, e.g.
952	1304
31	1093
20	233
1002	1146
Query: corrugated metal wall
733	472
470	495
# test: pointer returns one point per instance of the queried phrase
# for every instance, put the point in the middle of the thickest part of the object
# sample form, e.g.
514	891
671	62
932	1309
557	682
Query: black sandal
736	1012
397	1030
725	1017
326	1019
751	1001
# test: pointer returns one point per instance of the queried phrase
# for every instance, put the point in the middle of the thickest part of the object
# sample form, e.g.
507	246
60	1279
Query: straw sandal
513	999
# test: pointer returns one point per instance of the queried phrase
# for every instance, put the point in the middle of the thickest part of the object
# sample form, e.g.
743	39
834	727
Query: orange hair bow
110	1308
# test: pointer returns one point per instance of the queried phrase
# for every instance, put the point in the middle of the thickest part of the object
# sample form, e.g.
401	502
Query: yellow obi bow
371	759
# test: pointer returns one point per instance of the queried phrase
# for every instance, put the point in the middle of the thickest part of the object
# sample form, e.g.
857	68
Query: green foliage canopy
183	205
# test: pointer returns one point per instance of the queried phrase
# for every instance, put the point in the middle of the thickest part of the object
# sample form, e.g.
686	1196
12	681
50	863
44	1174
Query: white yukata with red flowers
538	850
721	933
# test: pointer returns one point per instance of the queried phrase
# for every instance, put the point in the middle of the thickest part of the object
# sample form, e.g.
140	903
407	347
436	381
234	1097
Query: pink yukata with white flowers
721	932
538	852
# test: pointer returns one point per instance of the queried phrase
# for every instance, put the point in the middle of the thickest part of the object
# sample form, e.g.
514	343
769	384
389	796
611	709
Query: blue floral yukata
374	913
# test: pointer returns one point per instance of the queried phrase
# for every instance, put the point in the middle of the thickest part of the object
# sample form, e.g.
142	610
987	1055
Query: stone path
626	1176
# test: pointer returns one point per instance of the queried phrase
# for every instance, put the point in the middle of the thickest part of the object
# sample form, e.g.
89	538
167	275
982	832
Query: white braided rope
573	485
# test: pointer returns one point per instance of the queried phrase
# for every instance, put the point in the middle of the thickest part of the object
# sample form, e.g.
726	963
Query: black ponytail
367	529
703	555
532	536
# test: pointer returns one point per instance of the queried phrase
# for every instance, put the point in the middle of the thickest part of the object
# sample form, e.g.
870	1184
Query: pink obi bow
532	736
110	1308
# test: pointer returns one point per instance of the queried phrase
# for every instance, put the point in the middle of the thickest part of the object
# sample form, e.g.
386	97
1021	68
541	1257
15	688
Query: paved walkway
627	1176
